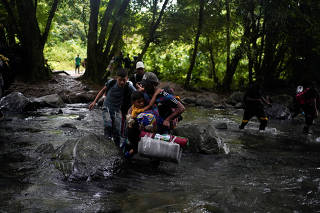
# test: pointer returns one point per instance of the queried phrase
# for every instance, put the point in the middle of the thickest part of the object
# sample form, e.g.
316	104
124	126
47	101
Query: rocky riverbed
54	158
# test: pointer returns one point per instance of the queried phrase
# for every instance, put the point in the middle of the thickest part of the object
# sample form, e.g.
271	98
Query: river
274	171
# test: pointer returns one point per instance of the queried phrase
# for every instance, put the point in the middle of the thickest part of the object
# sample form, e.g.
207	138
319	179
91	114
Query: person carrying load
150	83
150	120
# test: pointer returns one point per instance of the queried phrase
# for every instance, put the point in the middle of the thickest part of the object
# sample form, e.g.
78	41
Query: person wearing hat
137	77
307	99
150	82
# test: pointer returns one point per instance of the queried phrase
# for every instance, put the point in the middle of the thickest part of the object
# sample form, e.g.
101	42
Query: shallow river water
274	171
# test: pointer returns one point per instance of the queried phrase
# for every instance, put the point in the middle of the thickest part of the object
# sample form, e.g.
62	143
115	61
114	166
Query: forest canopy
221	45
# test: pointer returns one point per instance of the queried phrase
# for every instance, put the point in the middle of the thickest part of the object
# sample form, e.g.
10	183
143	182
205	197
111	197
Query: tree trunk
3	40
104	24
227	80
213	64
12	25
153	28
49	21
250	63
92	53
97	54
31	42
228	42
196	42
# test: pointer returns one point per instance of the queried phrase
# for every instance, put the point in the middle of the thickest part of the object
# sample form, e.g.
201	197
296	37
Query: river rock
89	157
221	126
278	111
53	100
45	148
283	99
235	98
16	102
202	137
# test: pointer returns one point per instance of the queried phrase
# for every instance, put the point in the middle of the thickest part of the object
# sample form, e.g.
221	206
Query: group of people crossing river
137	104
131	106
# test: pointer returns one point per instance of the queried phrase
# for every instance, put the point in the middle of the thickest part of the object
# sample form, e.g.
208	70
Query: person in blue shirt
77	64
115	106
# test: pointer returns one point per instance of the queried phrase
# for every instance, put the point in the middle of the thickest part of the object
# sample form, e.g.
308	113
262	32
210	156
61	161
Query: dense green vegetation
222	44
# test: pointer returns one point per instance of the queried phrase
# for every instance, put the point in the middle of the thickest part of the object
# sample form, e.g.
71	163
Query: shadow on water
264	172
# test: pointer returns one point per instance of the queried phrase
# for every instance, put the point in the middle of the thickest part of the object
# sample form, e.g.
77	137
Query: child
114	106
139	117
138	104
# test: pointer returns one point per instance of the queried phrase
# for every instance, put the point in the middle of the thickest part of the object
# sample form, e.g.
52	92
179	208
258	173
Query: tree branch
104	24
116	27
152	31
54	6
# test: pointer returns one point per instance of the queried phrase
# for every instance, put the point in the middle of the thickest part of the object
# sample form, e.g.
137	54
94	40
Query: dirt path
60	83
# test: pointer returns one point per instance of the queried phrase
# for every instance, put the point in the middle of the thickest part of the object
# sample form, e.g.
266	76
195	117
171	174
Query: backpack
126	101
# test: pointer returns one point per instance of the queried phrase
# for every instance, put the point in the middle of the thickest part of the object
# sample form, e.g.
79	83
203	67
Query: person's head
137	99
140	68
122	77
299	89
150	81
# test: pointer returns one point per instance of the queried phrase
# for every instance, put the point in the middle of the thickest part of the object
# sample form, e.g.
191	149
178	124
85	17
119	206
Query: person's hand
166	123
139	87
91	106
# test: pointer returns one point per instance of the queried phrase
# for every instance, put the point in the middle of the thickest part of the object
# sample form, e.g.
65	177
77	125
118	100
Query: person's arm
315	107
153	100
139	87
101	92
265	100
179	110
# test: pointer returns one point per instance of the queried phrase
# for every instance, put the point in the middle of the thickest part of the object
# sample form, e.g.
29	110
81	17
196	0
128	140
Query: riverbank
72	90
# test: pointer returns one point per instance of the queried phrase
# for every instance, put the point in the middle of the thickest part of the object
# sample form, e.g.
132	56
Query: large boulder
53	100
89	157
278	111
16	102
235	98
202	137
283	99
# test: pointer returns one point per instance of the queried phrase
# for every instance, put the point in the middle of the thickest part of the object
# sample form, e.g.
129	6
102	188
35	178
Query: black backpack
126	102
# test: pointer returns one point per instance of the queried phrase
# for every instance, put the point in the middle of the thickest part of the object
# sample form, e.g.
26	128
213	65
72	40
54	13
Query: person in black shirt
254	106
137	77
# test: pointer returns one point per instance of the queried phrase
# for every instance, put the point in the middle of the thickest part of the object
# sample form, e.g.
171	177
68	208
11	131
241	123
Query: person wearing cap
307	99
150	82
137	77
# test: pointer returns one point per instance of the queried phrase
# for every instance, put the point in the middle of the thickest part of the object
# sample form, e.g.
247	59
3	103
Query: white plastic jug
159	149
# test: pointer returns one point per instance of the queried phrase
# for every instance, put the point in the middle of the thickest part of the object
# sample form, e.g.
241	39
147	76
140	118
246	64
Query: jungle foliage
221	45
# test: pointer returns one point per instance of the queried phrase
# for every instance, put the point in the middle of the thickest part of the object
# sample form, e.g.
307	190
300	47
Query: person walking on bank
77	63
254	106
137	77
115	106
